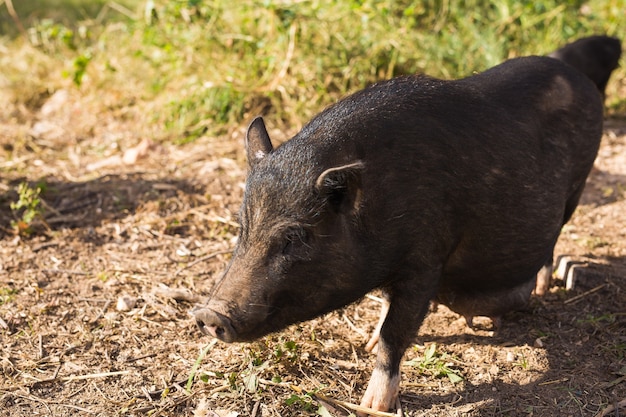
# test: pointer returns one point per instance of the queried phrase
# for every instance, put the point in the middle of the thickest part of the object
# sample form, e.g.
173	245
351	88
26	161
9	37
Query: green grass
7	295
598	321
66	12
199	67
436	364
27	209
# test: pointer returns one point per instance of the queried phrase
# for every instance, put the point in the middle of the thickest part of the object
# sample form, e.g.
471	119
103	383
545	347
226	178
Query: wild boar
453	191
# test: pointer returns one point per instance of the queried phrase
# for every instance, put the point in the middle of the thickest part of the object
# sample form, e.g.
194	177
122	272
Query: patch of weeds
306	401
541	337
302	401
197	363
593	242
608	191
250	376
176	227
264	361
28	208
165	393
261	367
541	334
523	363
436	364
618	350
207	110
206	376
287	350
610	318
48	34
7	295
232	381
79	68
246	379
597	321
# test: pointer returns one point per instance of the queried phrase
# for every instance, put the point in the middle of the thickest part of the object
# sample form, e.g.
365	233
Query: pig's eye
295	239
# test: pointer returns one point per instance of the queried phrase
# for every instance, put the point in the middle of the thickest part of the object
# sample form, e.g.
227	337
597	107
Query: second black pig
428	189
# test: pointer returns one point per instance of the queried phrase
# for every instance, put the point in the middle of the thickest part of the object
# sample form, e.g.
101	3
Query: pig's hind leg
384	309
544	276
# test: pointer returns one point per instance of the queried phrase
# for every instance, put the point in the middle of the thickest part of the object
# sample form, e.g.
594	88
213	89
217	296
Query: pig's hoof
567	270
381	392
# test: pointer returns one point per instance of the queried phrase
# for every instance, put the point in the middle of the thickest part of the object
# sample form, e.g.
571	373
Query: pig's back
476	173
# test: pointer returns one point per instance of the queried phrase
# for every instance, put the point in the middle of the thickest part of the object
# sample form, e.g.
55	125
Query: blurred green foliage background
206	65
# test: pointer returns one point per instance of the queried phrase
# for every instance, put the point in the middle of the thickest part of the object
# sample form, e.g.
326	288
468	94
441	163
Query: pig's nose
215	324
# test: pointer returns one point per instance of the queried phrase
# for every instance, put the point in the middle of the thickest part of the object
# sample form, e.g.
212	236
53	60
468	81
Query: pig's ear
258	143
341	186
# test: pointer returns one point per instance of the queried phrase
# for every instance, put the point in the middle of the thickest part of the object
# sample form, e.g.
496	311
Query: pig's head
297	255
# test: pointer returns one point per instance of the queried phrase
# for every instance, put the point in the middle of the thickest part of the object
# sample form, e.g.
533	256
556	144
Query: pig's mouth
215	324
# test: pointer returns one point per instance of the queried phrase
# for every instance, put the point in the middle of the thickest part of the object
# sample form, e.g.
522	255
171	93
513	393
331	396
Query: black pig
595	56
428	189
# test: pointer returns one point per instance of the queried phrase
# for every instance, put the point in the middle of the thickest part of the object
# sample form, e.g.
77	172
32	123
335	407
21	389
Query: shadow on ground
583	332
87	204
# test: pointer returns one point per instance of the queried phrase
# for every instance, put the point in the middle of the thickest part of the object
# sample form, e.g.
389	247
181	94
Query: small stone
126	303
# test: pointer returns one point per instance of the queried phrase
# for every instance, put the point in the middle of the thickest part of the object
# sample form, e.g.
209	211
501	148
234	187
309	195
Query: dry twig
81	377
583	295
334	402
15	18
353	407
611	408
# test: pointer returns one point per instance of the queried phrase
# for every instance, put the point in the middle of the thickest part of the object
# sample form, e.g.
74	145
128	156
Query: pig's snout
215	324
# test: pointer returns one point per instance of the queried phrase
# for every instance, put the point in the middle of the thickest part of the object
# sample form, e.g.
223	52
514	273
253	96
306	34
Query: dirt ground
95	303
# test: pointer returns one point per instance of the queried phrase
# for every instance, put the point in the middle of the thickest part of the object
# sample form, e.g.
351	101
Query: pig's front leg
409	302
